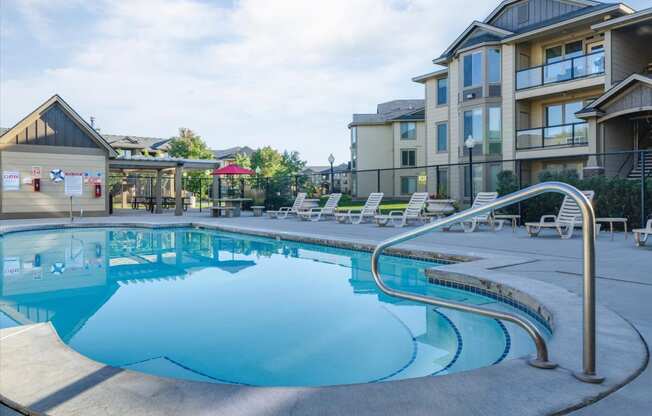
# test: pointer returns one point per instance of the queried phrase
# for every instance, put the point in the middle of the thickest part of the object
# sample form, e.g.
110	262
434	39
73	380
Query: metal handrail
588	233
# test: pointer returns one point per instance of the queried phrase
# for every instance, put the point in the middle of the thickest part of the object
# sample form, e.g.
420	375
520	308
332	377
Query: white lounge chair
368	212
564	222
284	212
328	210
481	199
641	234
401	218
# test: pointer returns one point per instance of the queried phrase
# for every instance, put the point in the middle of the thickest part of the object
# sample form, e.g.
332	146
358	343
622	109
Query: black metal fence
621	180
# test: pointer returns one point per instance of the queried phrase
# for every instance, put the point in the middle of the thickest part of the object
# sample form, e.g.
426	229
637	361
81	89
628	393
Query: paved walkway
624	273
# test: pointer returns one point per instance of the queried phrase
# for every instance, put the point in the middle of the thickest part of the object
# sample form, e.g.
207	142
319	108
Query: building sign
73	184
10	181
57	175
36	172
11	266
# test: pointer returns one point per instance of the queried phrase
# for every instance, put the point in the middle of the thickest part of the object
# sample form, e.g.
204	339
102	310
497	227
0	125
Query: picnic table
228	207
149	202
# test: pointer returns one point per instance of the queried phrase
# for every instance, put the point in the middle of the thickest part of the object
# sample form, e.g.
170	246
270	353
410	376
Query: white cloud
286	73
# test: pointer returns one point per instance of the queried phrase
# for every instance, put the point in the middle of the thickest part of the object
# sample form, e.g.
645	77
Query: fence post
378	180
296	185
519	166
200	188
641	159
437	182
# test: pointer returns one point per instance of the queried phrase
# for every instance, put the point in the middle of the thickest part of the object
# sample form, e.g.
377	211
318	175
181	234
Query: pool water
229	308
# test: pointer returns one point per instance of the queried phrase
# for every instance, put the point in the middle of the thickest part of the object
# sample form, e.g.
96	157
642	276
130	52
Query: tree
291	163
188	145
268	160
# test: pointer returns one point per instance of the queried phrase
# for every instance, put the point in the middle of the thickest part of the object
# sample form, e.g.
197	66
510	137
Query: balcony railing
565	70
575	134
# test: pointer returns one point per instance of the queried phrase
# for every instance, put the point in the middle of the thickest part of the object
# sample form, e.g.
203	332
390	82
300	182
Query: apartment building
544	83
393	137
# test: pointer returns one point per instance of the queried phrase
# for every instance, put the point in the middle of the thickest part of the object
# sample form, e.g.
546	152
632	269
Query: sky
283	73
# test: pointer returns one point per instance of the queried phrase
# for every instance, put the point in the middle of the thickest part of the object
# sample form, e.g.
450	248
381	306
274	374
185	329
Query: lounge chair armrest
545	218
396	213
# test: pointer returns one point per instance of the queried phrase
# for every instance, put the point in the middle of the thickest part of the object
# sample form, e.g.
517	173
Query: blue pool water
226	308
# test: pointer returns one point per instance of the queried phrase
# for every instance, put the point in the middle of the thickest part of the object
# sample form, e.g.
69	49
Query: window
354	158
408	185
408	158
473	126
127	152
408	131
442	138
559	114
523	12
442	91
477	180
493	60
354	136
473	70
573	49
554	54
494	170
495	131
561	52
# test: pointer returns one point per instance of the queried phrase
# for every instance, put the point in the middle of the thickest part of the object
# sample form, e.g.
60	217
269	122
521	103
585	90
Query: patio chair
641	234
412	212
564	222
284	212
368	212
481	199
328	210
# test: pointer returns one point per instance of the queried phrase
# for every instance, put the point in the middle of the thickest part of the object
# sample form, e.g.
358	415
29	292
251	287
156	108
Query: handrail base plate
545	365
588	378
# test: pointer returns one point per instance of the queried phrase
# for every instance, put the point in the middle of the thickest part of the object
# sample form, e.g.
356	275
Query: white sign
36	172
56	175
11	266
73	184
10	181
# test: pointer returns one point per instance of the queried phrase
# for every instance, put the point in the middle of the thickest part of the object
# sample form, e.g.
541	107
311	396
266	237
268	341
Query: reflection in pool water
217	307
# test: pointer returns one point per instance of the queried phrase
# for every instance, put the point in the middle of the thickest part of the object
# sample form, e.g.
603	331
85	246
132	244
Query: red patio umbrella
232	170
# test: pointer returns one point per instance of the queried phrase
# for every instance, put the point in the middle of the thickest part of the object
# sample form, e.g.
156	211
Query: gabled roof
507	3
72	114
231	152
389	111
626	20
496	32
344	167
594	108
136	142
423	78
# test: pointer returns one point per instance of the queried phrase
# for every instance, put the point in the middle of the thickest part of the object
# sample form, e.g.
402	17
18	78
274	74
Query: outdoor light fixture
331	160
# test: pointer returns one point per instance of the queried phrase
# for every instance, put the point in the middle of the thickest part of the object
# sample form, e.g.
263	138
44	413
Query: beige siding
434	115
508	104
375	151
51	198
628	55
419	145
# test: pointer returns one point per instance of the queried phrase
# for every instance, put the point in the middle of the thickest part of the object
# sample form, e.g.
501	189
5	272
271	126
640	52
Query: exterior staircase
635	173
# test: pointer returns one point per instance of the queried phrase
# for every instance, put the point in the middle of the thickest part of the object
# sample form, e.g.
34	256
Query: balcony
575	134
566	70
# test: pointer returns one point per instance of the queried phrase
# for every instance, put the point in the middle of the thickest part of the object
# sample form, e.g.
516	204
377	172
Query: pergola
161	164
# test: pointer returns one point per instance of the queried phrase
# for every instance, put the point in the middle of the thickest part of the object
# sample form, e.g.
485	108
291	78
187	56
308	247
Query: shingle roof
344	167
558	19
136	142
231	152
2	130
391	110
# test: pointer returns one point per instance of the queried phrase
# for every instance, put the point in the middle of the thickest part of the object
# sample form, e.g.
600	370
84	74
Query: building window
560	52
354	158
494	69
477	180
354	136
473	70
408	158
473	127
495	131
442	138
442	91
442	184
127	152
559	114
408	131
523	12
408	185
494	170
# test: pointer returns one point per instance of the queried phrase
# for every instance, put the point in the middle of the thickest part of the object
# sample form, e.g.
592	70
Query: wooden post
178	187
158	192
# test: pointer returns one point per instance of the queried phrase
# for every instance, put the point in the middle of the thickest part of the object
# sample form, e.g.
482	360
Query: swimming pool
230	308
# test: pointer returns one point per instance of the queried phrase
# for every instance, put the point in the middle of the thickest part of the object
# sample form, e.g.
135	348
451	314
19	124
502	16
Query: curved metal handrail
588	233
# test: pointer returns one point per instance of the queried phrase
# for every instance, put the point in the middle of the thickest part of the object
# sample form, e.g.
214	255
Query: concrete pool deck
546	266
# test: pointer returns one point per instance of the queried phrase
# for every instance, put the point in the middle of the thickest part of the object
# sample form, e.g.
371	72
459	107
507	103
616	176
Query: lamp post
331	160
470	143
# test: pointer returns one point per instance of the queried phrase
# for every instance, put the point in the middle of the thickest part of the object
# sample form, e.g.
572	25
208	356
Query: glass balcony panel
558	135
595	63
529	139
581	132
529	78
557	72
